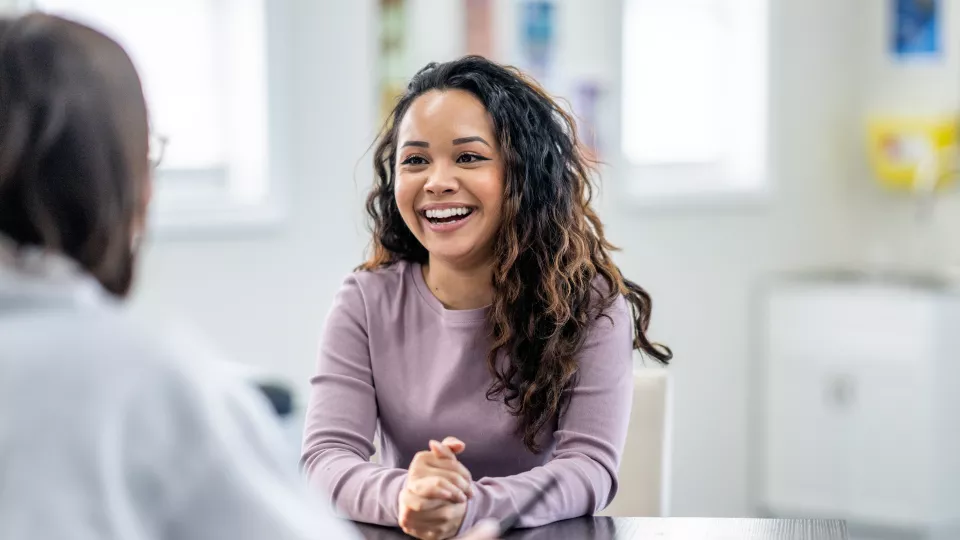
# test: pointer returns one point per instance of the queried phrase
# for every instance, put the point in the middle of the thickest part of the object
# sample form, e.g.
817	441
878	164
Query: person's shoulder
101	344
187	387
373	286
607	300
385	278
164	359
606	351
381	294
114	367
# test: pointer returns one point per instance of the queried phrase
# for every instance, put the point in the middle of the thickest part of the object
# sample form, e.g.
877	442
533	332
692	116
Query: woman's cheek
405	199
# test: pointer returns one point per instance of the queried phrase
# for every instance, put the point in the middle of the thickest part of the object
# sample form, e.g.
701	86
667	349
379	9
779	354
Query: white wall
701	264
263	298
890	234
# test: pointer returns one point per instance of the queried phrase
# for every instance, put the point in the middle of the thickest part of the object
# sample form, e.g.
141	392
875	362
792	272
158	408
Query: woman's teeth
448	214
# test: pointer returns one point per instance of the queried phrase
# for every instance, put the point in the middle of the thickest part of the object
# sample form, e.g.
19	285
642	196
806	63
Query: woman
108	433
490	311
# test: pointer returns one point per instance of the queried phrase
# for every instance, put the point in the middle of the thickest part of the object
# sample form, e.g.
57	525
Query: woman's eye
414	160
470	158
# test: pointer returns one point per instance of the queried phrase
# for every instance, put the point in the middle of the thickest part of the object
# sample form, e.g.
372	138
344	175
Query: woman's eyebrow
465	140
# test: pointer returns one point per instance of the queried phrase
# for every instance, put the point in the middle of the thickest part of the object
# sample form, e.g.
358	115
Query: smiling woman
449	178
489	316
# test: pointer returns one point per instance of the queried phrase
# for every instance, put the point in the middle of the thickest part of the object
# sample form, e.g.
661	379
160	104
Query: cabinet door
890	435
806	472
849	425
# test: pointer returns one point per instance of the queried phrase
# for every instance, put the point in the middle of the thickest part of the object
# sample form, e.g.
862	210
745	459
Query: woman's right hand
440	462
432	503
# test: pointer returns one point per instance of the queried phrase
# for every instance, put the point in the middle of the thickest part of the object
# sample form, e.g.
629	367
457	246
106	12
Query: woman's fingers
442	451
415	503
454	444
441	461
425	463
452	466
432	506
437	487
440	522
454	477
446	517
420	505
430	519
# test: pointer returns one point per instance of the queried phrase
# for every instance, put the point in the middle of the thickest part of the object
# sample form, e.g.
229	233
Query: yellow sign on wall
913	153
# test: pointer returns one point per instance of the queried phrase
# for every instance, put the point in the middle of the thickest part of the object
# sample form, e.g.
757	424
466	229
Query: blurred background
778	174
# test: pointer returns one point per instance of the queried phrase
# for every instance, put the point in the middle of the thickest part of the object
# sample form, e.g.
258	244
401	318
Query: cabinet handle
840	391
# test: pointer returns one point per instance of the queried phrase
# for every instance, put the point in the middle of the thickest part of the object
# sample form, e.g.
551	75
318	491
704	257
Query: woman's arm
589	438
342	417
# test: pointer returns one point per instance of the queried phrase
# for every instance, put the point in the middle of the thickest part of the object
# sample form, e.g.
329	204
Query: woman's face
450	176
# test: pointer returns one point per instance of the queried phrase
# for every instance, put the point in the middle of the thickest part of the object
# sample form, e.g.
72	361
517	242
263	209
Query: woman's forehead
441	113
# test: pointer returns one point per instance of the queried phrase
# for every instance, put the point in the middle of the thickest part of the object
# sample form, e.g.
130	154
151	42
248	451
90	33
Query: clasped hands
433	500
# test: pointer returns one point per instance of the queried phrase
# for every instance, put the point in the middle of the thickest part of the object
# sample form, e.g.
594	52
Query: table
607	528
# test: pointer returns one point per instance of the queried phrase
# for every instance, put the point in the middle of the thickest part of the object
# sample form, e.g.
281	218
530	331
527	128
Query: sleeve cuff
393	500
470	516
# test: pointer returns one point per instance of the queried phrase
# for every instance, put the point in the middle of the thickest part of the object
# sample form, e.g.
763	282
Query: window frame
214	207
691	185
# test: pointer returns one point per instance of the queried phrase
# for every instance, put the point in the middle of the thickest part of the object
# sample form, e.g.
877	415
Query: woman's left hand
424	516
431	505
441	460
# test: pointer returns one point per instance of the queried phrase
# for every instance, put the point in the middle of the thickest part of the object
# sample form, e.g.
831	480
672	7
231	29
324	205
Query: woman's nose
441	182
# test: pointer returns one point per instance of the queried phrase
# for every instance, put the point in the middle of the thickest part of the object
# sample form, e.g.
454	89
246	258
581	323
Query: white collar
29	273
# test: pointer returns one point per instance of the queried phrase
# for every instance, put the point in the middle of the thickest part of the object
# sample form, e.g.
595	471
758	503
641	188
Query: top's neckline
450	315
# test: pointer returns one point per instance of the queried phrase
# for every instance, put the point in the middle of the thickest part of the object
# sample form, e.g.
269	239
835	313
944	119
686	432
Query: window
203	67
694	97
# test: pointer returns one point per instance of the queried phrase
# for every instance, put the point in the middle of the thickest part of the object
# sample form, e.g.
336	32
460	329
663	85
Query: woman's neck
460	288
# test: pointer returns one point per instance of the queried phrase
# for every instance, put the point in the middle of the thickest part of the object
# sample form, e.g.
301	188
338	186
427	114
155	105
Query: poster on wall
915	29
479	23
586	99
393	55
538	38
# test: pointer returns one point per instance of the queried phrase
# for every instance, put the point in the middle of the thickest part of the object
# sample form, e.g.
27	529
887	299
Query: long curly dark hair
550	249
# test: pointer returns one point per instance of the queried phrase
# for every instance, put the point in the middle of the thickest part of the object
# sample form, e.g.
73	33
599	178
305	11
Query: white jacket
109	433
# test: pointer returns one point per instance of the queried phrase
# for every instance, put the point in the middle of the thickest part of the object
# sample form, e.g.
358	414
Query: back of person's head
74	167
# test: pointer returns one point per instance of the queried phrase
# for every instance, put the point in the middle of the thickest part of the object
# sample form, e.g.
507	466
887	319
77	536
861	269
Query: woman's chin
454	254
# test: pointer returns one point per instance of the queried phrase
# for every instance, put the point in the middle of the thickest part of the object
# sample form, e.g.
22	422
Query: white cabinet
860	400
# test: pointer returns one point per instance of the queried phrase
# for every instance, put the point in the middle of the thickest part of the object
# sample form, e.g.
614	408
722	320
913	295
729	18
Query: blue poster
916	28
537	36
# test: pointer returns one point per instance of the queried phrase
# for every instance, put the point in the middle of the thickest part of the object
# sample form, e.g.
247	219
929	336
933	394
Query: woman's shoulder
384	277
375	282
606	299
375	290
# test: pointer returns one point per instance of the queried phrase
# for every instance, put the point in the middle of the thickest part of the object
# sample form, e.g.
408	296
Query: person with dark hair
489	314
106	432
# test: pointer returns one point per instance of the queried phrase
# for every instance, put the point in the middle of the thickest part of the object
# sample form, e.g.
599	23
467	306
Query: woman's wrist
469	514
